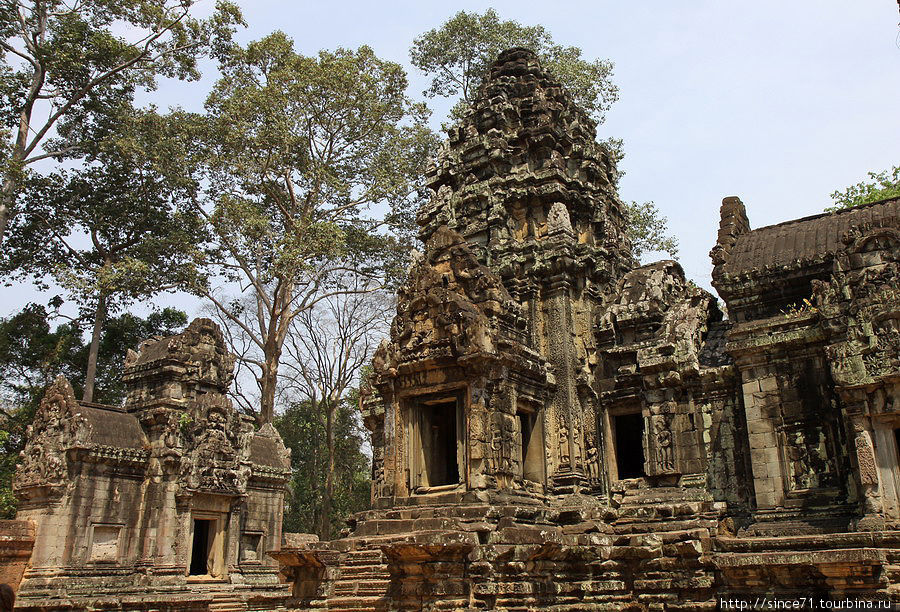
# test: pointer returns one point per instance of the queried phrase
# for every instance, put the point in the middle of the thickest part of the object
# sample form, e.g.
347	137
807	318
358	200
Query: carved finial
733	223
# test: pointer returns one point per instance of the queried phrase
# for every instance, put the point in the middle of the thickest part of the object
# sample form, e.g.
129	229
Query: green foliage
303	430
880	186
308	161
130	206
647	230
71	68
115	231
457	55
805	306
32	355
299	148
121	333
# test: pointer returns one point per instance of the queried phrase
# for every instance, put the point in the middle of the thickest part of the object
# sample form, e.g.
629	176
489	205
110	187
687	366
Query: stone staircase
361	585
646	510
363	582
227	602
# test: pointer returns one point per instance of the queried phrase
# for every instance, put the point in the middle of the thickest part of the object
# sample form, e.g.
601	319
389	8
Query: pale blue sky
778	102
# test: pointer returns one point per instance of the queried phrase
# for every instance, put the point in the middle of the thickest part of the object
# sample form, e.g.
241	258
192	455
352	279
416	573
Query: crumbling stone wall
16	543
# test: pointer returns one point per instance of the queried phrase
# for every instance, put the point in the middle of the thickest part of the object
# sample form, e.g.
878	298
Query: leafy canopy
72	66
457	55
307	161
303	430
116	229
299	149
647	228
880	186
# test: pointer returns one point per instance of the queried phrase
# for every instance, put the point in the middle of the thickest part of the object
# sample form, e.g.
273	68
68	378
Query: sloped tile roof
804	241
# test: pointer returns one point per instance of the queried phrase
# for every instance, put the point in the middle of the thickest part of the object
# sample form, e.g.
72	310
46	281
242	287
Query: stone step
673	506
353	604
361	587
356	572
621	527
364	557
227	603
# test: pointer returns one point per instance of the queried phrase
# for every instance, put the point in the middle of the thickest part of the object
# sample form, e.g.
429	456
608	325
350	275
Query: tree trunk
91	375
329	475
267	383
16	162
6	201
316	525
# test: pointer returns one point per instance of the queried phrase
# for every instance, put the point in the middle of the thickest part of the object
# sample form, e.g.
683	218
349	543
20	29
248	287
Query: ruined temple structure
556	427
169	503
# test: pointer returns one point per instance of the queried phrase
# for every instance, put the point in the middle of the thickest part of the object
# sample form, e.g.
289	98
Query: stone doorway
437	443
532	452
207	547
200	550
628	431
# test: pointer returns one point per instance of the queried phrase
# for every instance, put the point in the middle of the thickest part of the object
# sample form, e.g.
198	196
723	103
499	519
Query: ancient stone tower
556	427
523	320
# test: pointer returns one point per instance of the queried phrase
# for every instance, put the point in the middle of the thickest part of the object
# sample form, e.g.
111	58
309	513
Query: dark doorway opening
532	446
897	439
629	445
439	443
203	533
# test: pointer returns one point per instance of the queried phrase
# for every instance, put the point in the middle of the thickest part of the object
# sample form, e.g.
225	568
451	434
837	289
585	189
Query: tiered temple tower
557	427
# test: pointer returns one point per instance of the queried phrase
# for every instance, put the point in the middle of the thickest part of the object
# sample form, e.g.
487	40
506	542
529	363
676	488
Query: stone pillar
564	406
16	543
768	481
559	335
867	470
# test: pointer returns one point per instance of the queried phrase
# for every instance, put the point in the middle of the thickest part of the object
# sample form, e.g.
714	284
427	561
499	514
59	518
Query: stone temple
556	427
553	425
169	503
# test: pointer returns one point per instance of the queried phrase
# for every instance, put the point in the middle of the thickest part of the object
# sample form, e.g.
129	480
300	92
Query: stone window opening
532	450
628	442
437	444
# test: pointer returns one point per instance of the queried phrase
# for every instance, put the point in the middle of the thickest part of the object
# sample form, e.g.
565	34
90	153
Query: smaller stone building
167	503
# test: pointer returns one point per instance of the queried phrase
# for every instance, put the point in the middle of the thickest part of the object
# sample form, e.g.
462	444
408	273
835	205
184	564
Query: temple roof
111	426
804	241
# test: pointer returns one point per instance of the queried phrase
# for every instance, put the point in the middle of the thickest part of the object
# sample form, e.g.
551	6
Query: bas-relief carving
58	425
665	455
217	454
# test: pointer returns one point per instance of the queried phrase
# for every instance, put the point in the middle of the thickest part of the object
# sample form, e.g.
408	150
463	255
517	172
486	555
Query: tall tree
297	153
330	345
303	432
110	233
647	229
880	186
457	55
33	354
68	68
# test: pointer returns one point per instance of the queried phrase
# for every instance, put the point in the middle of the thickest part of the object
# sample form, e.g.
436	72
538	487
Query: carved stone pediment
58	426
662	317
451	307
859	304
216	456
